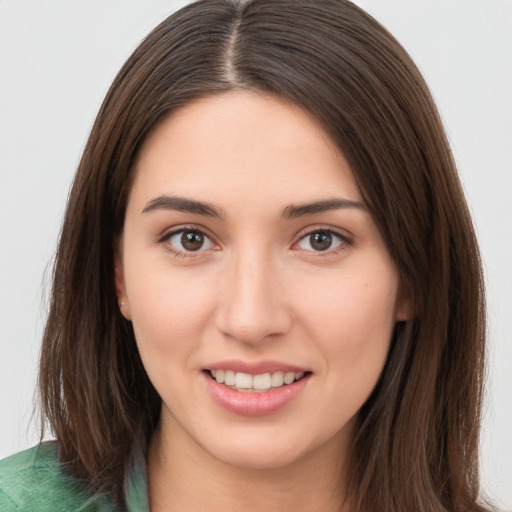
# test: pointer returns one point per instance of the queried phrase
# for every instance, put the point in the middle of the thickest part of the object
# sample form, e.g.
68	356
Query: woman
267	286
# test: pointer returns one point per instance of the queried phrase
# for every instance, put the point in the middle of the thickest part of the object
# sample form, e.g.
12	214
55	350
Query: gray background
57	59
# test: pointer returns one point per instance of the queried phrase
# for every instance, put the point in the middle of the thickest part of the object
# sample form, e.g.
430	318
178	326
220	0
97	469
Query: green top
36	480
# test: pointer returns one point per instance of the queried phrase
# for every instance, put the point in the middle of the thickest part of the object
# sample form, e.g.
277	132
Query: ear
119	280
404	310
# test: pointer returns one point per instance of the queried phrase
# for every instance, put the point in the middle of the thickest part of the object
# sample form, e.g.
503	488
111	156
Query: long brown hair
415	446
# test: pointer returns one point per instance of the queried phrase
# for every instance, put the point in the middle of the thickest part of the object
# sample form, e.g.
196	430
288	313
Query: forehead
245	142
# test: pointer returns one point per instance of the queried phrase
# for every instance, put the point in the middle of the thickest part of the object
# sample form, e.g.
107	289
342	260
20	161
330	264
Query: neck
183	476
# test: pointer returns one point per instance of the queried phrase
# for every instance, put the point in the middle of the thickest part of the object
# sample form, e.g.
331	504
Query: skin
257	289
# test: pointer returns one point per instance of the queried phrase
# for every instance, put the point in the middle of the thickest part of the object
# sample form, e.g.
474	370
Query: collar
136	486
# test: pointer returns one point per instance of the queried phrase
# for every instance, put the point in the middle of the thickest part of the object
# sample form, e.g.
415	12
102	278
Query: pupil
321	241
192	241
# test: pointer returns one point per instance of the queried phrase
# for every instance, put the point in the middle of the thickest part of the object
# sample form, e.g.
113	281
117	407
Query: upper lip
255	367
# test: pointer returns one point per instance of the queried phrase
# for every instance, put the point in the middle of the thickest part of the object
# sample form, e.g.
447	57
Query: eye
189	240
321	241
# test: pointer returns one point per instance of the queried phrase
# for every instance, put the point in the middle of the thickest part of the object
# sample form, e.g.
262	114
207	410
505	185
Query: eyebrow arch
300	210
181	204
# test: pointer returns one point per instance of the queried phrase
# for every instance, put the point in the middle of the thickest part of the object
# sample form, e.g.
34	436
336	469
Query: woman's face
249	256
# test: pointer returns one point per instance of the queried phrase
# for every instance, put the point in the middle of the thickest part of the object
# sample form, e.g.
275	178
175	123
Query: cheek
352	320
169	309
169	315
345	302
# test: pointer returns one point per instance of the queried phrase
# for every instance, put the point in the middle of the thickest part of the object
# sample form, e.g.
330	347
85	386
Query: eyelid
169	233
346	239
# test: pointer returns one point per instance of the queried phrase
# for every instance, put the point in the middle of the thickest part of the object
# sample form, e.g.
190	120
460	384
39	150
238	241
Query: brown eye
320	241
186	241
192	241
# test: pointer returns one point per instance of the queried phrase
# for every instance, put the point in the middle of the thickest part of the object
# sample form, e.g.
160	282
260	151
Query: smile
263	388
245	382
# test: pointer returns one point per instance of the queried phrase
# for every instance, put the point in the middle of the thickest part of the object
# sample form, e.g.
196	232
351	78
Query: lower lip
254	404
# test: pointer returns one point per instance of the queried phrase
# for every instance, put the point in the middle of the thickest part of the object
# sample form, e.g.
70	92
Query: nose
252	306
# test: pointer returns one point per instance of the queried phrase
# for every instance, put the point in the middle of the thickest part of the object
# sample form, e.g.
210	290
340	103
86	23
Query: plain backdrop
57	59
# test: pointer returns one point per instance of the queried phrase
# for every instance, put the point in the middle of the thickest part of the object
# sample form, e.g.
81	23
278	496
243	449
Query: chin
257	459
259	453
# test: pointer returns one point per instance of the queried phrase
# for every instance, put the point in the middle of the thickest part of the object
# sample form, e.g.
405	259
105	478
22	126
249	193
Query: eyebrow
182	204
300	210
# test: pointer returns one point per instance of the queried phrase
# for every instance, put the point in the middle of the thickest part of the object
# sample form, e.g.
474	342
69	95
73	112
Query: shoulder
35	479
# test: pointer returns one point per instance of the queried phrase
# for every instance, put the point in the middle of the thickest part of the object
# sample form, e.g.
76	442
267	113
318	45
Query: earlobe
119	282
125	310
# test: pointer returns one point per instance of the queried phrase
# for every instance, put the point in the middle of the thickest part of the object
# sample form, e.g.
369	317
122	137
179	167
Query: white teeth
246	382
289	377
243	380
263	381
230	378
277	379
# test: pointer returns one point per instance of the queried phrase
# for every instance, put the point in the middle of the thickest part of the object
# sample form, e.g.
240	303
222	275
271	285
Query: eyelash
343	239
182	230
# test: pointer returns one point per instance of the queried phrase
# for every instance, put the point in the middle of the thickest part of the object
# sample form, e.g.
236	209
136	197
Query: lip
253	404
256	367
